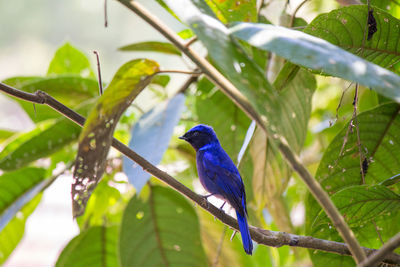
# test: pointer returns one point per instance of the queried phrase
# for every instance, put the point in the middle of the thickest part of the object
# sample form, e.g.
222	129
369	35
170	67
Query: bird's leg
221	208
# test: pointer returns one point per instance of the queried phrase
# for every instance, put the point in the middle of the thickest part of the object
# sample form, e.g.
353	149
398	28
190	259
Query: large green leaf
96	136
319	55
163	231
152	46
344	27
17	189
96	246
47	138
361	203
379	130
12	234
217	110
391	6
69	60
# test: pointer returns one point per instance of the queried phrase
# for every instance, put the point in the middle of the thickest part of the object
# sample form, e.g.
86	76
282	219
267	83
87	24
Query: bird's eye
196	133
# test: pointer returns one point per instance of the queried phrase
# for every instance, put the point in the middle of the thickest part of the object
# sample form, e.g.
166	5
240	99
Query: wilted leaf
151	136
96	246
96	136
163	231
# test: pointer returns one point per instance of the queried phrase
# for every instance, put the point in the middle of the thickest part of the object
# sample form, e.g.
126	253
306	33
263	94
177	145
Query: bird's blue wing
219	168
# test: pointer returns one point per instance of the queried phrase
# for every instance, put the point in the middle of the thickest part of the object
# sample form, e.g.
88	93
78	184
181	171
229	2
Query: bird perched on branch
219	175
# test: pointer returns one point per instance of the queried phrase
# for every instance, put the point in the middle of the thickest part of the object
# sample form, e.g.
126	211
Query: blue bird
219	175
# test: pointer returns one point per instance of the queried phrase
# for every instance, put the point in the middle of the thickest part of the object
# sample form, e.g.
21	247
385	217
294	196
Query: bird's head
200	136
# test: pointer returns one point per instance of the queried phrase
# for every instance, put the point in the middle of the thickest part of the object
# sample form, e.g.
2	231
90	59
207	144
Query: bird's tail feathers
244	231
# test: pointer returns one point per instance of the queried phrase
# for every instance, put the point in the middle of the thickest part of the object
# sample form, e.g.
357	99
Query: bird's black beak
182	137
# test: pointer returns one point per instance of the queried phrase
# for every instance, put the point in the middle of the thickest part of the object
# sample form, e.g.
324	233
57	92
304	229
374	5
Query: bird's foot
205	201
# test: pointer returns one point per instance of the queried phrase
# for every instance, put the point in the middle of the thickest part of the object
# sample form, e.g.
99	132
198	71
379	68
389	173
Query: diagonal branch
236	96
261	236
380	254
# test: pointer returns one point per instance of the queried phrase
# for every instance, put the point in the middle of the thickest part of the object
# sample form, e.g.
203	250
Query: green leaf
17	189
12	234
391	181
233	10
161	80
186	34
70	90
5	134
96	136
361	203
319	55
105	206
96	246
19	81
152	46
47	138
164	230
216	109
344	27
380	143
391	6
69	60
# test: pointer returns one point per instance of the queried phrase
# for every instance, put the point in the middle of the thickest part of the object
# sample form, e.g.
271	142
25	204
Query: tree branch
236	96
261	236
377	256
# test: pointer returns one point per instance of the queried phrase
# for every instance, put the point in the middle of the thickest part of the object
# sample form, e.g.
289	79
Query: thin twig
340	103
219	249
186	85
237	97
355	121
99	72
191	41
180	72
105	14
261	236
295	12
380	254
